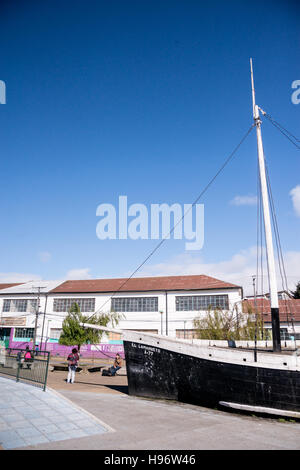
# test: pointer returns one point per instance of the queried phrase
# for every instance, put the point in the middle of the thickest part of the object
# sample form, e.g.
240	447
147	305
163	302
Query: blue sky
144	99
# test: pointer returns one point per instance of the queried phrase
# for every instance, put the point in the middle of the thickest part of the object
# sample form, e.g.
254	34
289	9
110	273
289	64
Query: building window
64	305
186	334
55	333
201	302
134	304
19	305
24	333
6	306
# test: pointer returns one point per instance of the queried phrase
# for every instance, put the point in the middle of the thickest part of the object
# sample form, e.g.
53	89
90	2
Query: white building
164	305
18	306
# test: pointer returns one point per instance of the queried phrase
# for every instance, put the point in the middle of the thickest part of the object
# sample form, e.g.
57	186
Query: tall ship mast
267	224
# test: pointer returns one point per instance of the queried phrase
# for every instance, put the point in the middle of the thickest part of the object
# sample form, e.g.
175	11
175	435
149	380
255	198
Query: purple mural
99	351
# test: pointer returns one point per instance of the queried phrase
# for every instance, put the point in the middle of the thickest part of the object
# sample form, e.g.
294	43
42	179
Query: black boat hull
154	372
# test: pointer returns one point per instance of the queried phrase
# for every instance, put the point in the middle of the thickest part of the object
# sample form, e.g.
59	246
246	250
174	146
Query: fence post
46	375
18	370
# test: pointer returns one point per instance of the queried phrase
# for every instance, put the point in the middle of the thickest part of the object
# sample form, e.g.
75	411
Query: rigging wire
276	229
294	140
281	129
282	270
280	125
229	158
281	265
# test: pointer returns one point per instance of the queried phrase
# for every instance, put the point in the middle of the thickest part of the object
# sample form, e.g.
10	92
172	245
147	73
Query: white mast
267	224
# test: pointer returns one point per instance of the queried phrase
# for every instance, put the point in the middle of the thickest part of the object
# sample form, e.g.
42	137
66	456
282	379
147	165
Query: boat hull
165	374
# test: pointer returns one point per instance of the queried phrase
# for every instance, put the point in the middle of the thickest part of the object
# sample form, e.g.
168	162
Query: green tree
296	293
216	324
73	334
254	324
229	325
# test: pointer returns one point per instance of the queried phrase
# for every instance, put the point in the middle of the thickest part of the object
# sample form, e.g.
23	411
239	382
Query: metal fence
34	369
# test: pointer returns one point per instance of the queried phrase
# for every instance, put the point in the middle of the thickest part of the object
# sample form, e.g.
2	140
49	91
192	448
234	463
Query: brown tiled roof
289	308
143	284
7	285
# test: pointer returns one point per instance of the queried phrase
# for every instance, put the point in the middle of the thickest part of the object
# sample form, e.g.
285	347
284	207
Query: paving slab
31	416
131	424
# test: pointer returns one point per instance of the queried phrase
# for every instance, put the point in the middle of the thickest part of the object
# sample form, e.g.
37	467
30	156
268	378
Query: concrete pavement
29	416
129	423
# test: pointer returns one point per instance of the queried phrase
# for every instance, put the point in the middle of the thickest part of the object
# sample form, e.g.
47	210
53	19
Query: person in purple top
73	359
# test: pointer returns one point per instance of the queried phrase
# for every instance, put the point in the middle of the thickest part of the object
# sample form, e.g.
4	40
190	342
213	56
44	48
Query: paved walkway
29	416
97	413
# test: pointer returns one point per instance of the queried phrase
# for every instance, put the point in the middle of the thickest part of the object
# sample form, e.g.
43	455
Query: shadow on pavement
119	388
116	388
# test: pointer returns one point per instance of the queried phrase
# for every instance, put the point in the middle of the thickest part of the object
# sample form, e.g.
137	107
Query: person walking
73	359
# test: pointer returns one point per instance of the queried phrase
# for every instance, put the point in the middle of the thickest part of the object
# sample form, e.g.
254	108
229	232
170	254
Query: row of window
183	303
24	332
64	305
123	304
201	302
19	305
59	305
134	304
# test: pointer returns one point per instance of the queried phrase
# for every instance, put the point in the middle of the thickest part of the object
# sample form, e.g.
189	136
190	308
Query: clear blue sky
144	99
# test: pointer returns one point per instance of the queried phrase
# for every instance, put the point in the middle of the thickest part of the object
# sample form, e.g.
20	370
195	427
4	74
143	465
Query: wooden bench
84	368
58	366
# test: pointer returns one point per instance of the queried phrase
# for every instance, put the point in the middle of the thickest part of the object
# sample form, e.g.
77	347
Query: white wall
149	320
133	320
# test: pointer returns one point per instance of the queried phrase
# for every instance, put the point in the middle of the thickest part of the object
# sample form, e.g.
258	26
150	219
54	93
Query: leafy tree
73	334
253	324
229	325
214	325
296	293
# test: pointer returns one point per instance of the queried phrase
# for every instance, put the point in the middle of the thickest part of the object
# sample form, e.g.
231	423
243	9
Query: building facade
162	305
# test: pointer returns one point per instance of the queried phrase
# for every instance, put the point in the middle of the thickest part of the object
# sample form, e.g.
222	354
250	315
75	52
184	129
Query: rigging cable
282	270
281	129
229	158
294	140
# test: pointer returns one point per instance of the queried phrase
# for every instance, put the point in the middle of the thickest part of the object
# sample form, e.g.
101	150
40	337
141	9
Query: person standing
73	359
